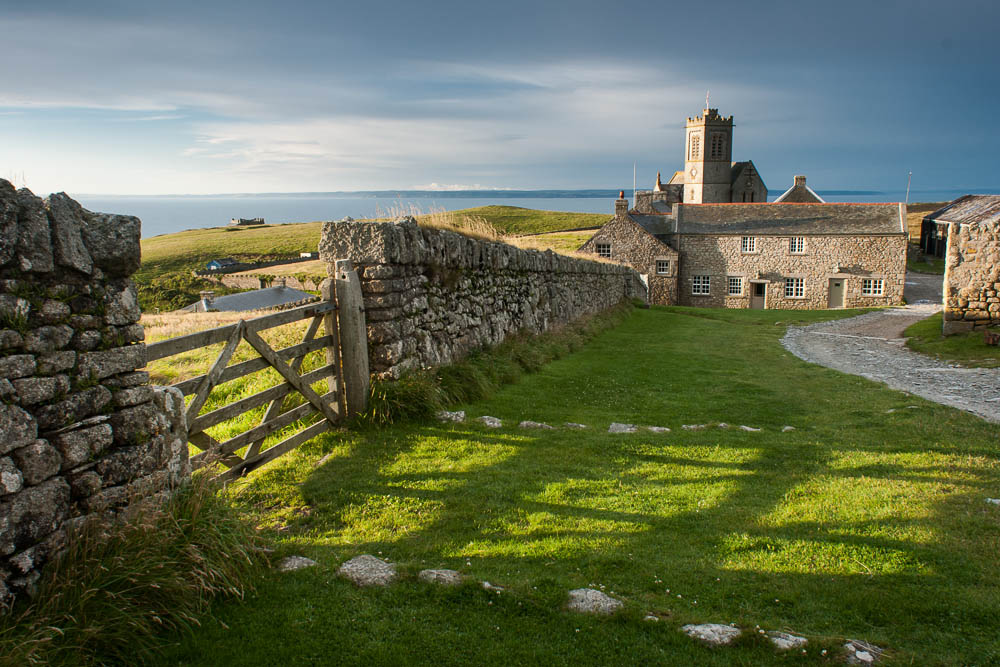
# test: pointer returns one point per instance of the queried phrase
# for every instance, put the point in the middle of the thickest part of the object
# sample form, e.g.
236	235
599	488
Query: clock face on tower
693	172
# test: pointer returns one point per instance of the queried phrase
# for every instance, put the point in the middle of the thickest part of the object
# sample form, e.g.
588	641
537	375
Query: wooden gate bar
277	450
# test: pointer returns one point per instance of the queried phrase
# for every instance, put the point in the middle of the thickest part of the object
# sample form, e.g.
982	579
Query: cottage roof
656	225
800	219
969	210
224	261
799	193
260	299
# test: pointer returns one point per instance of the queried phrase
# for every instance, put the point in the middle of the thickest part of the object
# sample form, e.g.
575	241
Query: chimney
621	205
800	180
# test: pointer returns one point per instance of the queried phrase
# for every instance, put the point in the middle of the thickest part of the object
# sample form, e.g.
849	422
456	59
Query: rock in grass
993	501
493	588
366	570
785	641
714	634
622	428
786	429
445	416
530	424
292	563
862	653
492	422
589	601
443	577
574	425
658	429
693	427
749	428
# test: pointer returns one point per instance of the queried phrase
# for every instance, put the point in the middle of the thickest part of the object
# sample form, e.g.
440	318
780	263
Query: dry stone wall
431	296
972	276
81	430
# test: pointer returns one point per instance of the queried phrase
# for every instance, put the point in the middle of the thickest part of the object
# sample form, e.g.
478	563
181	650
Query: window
695	147
748	244
662	267
797	245
604	250
872	287
701	285
718	150
795	288
735	286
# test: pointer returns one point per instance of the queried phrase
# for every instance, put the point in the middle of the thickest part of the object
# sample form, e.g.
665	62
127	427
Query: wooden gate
346	372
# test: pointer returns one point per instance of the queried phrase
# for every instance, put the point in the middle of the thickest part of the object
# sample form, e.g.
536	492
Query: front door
758	295
836	299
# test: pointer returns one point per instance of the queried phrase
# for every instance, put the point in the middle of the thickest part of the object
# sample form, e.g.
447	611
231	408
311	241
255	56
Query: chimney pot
800	179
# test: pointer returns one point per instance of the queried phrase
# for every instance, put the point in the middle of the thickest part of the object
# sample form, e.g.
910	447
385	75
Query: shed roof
804	219
969	210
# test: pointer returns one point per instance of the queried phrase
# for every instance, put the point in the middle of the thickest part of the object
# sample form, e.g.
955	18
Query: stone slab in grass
492	422
292	563
575	425
367	570
658	429
714	634
862	653
693	427
622	428
531	424
751	429
443	577
785	641
457	416
589	601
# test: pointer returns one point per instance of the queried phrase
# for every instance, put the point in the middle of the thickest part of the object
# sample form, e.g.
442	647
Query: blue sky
208	97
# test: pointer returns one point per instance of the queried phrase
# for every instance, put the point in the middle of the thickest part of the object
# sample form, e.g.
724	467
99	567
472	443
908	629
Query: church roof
677	178
969	210
799	219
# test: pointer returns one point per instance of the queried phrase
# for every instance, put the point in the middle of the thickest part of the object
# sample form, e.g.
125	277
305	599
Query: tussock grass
117	591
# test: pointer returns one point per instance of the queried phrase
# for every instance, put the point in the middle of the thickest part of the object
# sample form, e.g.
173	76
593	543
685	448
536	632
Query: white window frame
701	285
795	288
603	249
664	264
734	280
872	287
748	245
800	241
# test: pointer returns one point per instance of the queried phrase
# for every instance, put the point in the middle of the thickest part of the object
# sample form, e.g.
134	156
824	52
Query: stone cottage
966	210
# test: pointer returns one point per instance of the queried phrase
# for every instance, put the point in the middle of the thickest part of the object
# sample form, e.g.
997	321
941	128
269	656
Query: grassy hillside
515	221
865	521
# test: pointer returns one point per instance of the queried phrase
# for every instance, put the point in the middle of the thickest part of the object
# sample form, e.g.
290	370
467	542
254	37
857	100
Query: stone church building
709	238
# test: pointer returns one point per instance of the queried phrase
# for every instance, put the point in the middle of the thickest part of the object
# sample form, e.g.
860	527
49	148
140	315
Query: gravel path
871	345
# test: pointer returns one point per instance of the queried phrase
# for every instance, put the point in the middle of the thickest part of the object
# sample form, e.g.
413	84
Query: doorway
836	293
758	296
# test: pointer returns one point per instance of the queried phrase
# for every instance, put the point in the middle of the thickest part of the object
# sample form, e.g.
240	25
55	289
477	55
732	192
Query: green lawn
968	349
857	524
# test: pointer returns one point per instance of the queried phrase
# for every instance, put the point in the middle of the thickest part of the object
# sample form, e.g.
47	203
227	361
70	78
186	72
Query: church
709	237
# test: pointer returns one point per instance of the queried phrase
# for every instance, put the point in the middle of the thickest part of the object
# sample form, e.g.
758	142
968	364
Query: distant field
517	221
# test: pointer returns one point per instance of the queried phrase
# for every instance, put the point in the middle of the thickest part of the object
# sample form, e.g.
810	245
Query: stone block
113	243
132	396
54	312
67	218
17	428
84	484
56	362
74	408
133	379
34	245
8	222
37	462
82	445
10	339
40	389
138	424
102	364
121	303
11	480
29	516
17	366
84	341
46	339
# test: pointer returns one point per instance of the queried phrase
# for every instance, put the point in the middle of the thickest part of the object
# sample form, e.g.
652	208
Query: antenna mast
633	184
908	188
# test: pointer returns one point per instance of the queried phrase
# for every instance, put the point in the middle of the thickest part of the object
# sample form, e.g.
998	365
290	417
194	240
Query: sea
166	214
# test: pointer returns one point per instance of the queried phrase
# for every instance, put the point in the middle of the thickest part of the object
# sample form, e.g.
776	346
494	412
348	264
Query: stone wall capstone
432	295
972	276
81	430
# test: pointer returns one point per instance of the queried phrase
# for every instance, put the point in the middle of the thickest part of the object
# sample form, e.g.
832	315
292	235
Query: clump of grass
419	395
116	590
968	348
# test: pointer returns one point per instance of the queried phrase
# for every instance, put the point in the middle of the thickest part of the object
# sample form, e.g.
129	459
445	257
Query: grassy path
857	524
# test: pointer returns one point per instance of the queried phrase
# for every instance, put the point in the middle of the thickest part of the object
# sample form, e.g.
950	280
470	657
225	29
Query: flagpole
908	188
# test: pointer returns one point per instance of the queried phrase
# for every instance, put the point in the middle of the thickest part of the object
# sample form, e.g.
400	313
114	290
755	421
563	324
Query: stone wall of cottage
632	245
81	430
431	296
972	277
850	257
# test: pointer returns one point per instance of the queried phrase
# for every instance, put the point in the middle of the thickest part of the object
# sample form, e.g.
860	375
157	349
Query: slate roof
656	225
799	193
798	219
662	207
969	210
260	299
677	178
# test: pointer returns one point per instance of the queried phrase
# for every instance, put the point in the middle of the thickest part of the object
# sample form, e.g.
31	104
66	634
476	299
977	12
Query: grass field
857	524
968	349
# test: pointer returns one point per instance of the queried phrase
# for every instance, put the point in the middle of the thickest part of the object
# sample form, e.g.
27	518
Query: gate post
353	338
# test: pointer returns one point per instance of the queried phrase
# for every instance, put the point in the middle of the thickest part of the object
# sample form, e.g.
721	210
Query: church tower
708	158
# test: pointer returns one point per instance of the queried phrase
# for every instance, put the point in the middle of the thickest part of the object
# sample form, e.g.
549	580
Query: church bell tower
708	158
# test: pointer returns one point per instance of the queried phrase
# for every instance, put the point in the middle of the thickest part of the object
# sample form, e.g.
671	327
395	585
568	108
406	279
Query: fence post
353	338
336	381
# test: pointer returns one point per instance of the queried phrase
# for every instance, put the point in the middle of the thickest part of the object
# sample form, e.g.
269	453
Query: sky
138	97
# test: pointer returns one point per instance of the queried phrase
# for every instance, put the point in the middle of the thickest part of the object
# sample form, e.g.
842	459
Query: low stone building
762	255
970	227
966	210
